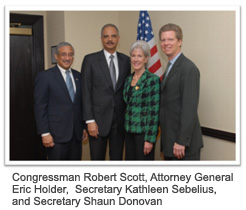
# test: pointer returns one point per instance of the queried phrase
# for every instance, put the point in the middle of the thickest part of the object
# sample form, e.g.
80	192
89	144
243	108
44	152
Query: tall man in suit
58	107
103	80
181	136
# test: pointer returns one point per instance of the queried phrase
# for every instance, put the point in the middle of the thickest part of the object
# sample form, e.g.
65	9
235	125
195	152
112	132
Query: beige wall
209	41
83	30
215	149
55	30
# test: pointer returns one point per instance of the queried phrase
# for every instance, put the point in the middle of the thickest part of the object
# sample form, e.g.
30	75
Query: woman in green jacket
141	94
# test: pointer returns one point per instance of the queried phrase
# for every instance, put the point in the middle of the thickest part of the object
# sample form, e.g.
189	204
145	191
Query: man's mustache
110	42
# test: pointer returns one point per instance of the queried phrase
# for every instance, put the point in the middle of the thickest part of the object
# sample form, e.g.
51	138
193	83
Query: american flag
145	33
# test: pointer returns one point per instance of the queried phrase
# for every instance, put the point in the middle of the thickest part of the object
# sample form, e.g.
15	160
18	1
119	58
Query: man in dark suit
181	136
103	77
58	107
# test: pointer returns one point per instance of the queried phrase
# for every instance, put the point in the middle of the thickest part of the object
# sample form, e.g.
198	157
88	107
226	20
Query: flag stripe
153	60
153	50
151	43
145	33
155	67
159	72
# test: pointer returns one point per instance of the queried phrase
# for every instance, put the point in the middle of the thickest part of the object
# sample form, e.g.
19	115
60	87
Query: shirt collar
175	58
107	54
62	69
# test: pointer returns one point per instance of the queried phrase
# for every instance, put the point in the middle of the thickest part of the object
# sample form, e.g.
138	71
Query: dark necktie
165	74
69	84
112	71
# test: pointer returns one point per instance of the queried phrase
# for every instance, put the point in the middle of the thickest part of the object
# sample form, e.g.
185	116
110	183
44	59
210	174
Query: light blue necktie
69	84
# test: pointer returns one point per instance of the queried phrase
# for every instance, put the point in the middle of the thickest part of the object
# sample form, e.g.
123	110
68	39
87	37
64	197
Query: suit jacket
54	110
99	98
178	109
142	112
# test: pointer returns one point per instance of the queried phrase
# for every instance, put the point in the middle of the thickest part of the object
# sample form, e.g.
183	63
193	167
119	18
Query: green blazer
142	112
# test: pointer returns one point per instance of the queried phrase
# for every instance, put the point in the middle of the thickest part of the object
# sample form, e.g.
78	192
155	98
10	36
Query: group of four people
110	104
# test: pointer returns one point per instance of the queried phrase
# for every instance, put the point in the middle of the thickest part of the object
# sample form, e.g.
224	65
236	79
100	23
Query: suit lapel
173	71
138	89
77	84
120	80
60	80
104	66
127	85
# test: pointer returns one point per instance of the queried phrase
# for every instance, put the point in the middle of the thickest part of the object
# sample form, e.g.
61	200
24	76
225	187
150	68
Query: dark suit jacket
178	109
54	110
99	97
142	112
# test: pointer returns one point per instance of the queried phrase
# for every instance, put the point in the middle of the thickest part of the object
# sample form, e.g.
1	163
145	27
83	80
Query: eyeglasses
70	55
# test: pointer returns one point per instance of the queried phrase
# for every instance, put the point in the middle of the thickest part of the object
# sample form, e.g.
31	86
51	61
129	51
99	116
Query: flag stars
145	31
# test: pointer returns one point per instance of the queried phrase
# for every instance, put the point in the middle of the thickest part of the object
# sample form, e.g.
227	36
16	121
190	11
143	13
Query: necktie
165	74
112	70
69	84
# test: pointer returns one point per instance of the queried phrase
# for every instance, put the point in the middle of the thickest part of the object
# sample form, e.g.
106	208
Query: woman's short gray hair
143	46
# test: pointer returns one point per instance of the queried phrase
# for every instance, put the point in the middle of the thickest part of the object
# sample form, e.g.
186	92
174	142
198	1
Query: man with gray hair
103	77
58	107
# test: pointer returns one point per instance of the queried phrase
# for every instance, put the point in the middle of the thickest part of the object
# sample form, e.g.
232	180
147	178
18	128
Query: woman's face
138	59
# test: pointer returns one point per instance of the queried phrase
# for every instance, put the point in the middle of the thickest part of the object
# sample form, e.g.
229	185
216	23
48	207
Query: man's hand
93	129
85	135
147	147
178	150
48	141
